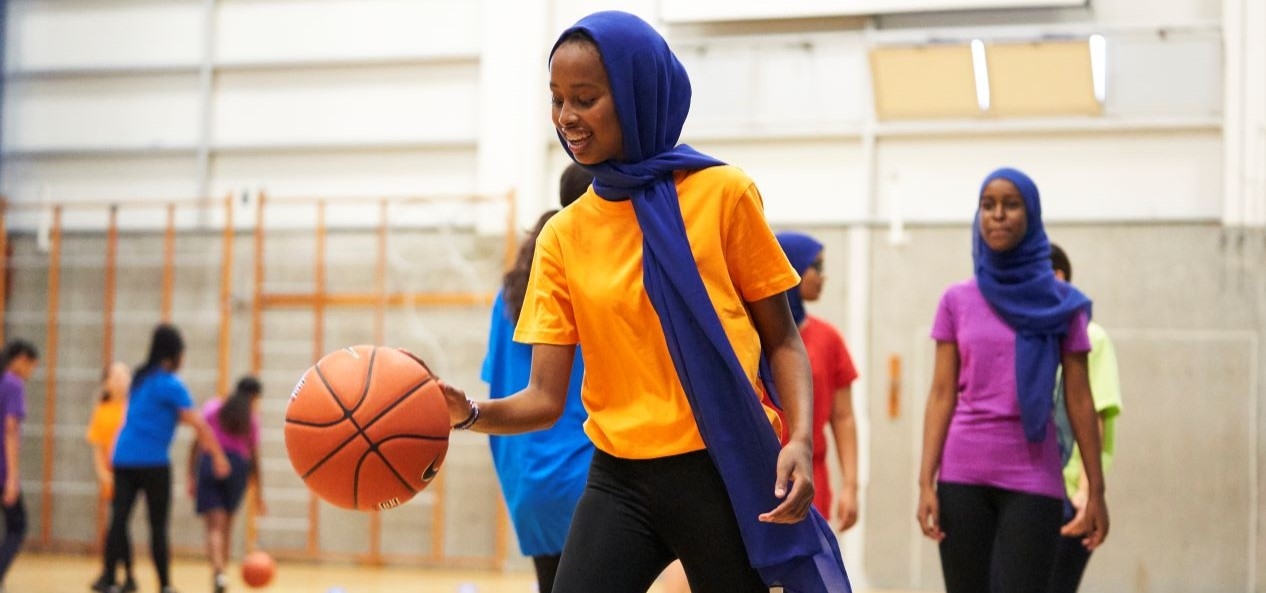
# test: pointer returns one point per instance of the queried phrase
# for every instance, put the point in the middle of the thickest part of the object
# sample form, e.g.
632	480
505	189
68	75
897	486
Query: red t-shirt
832	370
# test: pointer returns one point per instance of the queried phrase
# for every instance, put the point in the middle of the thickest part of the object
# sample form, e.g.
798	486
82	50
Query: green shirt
1105	388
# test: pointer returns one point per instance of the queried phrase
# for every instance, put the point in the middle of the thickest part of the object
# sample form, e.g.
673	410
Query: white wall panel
91	32
802	182
356	174
1174	75
289	30
424	103
96	180
101	113
1119	177
695	11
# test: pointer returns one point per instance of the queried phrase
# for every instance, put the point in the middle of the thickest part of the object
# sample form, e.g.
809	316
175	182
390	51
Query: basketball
367	427
258	568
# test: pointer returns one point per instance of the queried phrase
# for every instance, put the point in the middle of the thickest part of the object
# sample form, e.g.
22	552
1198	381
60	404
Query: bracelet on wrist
471	419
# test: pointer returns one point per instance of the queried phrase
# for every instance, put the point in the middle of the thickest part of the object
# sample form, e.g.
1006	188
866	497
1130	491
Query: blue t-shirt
542	473
153	412
12	403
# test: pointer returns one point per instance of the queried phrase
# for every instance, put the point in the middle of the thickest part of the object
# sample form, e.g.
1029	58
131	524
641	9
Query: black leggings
546	571
14	533
1070	560
996	540
637	516
155	483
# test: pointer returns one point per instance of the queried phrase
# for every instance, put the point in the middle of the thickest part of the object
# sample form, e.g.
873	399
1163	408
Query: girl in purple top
991	488
236	428
17	362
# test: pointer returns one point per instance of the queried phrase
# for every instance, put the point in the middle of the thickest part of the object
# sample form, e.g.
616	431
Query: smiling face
583	107
1003	216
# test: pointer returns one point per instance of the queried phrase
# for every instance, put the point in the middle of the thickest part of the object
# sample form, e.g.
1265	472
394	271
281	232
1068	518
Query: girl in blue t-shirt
157	403
542	474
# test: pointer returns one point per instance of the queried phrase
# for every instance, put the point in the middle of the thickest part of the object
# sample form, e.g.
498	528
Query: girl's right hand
929	514
458	404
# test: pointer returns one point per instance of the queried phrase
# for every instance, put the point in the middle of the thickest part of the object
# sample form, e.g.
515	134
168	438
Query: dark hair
105	376
514	284
235	414
165	346
573	184
576	36
15	349
1059	261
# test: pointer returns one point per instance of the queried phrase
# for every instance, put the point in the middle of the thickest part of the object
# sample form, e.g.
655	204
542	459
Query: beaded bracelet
471	419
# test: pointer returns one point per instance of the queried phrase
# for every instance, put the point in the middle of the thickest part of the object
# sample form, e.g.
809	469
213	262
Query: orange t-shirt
586	288
104	426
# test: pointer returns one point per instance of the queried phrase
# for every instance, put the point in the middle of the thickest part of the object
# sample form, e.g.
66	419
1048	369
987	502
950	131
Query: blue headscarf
801	250
1022	289
652	97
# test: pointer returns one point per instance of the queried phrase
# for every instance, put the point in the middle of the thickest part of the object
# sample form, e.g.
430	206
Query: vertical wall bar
380	337
169	262
50	377
107	306
512	238
257	303
107	328
256	364
318	349
4	257
226	297
437	519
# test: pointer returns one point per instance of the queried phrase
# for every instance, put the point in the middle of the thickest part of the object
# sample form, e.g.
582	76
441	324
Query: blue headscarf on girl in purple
1022	289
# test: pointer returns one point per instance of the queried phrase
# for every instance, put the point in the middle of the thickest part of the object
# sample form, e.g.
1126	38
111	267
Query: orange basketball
258	568
367	427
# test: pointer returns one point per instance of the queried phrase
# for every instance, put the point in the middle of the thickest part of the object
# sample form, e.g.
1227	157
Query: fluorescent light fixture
981	69
1099	66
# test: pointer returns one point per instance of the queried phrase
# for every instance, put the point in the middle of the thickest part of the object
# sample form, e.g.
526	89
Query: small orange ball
258	569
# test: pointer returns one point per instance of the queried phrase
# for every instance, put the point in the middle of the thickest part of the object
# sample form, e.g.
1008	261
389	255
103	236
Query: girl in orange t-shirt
103	428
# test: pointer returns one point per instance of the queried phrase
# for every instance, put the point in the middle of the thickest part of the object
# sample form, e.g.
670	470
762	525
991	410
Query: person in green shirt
1105	388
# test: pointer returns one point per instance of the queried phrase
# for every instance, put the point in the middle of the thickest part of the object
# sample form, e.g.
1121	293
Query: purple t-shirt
986	444
239	444
12	403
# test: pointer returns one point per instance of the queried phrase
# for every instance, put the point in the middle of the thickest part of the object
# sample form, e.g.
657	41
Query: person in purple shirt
236	427
991	484
18	361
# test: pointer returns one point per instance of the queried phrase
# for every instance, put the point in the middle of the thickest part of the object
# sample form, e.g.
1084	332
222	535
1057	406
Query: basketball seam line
361	430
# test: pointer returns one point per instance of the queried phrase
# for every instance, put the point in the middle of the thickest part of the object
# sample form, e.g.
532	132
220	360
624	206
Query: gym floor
48	573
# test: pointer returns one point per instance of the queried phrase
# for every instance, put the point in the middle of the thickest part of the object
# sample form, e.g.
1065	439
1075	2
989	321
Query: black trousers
637	516
1070	559
155	484
546	571
14	534
997	541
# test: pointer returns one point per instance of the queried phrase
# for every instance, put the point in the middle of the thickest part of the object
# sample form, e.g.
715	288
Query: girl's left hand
1095	522
795	465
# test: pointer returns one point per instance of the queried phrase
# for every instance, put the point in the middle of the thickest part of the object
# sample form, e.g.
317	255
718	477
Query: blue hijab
801	250
1022	289
652	97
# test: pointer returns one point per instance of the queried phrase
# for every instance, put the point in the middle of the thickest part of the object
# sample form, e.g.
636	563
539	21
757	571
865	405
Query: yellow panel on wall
1048	78
923	82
